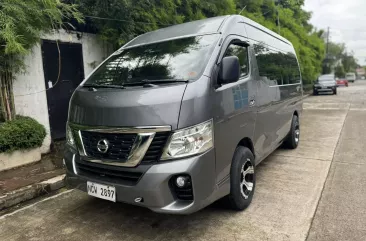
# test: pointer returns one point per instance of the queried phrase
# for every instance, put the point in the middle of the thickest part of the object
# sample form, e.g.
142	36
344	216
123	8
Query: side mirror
229	70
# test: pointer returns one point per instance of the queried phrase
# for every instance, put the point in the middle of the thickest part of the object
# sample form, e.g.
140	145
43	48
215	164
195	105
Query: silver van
180	117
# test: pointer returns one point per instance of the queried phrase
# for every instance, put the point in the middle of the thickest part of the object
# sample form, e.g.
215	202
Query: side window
275	67
242	53
268	65
294	70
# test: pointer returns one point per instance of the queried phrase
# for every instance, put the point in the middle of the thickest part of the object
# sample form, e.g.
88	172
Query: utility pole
328	41
278	16
278	22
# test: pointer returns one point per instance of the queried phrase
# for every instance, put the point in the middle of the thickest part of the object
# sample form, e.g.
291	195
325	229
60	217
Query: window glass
242	53
179	59
275	67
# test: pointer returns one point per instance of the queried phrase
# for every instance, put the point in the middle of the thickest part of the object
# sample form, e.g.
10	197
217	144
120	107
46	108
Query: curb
32	191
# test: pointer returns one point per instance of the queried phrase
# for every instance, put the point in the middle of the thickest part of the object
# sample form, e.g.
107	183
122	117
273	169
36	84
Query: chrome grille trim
145	136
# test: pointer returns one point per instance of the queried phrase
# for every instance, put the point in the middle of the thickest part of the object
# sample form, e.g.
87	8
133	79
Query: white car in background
351	77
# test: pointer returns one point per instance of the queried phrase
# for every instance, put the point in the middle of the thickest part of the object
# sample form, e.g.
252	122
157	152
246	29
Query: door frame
45	69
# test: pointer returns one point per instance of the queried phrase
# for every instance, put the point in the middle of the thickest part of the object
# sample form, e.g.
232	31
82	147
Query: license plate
324	87
101	191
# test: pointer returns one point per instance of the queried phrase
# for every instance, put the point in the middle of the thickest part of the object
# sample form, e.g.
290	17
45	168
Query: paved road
317	192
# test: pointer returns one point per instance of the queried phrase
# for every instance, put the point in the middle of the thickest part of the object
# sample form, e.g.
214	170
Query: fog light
181	181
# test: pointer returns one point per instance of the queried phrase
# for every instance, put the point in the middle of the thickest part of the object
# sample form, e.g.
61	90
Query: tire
335	91
242	179
315	92
293	138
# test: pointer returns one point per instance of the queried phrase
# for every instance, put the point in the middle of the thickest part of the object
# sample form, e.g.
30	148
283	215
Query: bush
21	133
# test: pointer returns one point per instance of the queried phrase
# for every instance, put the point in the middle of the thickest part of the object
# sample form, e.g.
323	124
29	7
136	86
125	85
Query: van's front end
126	139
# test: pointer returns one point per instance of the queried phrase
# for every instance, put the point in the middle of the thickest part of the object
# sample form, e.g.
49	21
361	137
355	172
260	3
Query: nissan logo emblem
103	145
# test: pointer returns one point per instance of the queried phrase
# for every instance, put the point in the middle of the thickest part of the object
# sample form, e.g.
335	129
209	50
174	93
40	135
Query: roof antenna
242	9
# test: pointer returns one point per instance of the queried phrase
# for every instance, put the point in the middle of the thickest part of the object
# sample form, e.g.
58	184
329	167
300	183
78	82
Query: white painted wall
29	87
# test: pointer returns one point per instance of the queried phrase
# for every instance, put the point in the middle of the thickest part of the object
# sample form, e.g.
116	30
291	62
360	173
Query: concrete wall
29	87
19	158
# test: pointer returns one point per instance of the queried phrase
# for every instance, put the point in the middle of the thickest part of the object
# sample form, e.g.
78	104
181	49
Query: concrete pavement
290	185
341	214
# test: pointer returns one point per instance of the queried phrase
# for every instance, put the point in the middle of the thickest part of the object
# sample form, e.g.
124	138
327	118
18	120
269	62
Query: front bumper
154	187
325	88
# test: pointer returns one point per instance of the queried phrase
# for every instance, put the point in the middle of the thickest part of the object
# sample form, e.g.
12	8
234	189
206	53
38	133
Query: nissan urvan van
180	117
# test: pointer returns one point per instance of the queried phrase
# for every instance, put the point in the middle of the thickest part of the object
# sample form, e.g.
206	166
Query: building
43	91
360	72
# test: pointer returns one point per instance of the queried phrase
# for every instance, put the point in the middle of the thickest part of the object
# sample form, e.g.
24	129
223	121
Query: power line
243	9
126	21
58	75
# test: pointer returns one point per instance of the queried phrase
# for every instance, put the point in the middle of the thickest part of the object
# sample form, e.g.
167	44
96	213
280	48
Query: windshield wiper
163	81
104	86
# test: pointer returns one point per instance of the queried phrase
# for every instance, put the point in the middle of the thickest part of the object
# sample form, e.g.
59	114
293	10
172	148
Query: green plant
22	23
118	21
339	71
21	133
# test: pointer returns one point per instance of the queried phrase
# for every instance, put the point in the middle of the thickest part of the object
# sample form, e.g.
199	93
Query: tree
294	25
118	21
124	19
339	71
349	62
22	23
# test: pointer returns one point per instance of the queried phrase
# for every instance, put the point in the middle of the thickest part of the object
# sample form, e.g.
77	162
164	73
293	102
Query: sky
347	22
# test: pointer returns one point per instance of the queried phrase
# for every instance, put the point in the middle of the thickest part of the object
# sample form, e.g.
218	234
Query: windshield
325	78
180	59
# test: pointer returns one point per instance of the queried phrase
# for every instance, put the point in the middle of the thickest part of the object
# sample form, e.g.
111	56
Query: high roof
203	26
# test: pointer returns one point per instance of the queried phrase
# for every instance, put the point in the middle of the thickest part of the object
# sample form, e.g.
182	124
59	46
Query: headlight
69	136
190	141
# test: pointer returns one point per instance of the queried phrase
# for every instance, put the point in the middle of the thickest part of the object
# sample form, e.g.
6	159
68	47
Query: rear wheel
293	138
242	179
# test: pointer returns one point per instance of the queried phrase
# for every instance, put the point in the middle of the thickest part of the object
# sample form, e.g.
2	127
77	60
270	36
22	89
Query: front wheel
335	91
315	92
293	138
242	179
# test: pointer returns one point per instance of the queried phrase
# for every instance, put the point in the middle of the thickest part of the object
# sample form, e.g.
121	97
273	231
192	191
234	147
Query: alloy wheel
297	132
246	179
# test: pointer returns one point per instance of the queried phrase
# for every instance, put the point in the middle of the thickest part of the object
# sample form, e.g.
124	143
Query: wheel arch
247	142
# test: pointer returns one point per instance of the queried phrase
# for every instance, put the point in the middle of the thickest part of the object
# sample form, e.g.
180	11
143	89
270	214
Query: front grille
156	147
185	194
119	149
107	173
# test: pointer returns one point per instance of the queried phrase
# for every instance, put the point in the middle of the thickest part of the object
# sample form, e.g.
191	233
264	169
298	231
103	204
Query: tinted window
176	59
276	67
242	53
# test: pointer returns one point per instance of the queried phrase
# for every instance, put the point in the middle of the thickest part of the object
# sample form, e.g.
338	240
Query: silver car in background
325	83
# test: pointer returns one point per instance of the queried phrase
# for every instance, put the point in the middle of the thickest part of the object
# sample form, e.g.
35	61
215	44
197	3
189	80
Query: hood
131	107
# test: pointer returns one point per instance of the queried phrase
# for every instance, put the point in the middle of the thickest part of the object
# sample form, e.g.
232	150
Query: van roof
204	26
199	27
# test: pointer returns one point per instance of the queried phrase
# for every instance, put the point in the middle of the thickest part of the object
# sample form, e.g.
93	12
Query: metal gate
71	71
